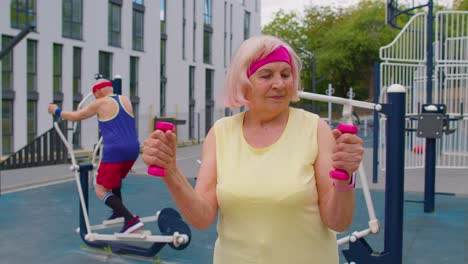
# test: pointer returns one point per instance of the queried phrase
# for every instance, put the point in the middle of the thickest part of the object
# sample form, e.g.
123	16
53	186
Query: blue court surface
38	226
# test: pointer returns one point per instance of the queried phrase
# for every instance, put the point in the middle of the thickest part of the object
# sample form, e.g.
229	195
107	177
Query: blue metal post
430	170
395	169
376	124
84	168
117	84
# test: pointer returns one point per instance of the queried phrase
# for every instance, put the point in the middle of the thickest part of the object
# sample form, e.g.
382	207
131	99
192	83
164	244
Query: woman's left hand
348	151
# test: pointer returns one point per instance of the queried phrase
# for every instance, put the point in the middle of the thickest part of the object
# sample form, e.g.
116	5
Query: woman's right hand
160	149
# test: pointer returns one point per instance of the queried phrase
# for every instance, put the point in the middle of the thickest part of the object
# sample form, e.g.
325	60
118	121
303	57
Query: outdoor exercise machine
359	251
432	123
174	231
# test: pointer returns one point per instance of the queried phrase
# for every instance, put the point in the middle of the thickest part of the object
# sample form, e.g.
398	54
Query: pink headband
279	54
101	85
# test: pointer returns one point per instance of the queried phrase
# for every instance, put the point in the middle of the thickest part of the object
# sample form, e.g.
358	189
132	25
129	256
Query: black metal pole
16	40
430	170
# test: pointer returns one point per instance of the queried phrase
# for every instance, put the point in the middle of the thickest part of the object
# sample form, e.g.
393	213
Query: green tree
351	47
345	42
460	5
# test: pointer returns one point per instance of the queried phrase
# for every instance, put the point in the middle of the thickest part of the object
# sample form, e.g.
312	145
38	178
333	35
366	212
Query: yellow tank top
268	200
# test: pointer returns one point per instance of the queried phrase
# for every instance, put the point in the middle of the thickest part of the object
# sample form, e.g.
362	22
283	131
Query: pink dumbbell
338	174
156	170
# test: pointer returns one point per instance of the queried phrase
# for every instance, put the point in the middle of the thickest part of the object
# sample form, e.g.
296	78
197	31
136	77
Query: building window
231	37
134	81
134	74
7	126
76	70
246	25
114	23
163	58
7	98
32	95
162	95
138	27
192	102
105	64
162	15
32	119
7	66
184	22
57	69
139	2
208	12
77	96
72	19
22	13
209	102
31	65
194	34
207	40
76	140
207	30
225	35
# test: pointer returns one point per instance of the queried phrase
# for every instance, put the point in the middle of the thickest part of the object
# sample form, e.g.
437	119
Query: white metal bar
353	237
93	160
140	237
80	106
336	100
119	221
75	168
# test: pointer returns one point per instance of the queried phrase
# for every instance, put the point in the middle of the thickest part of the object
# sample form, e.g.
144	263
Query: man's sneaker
114	215
132	225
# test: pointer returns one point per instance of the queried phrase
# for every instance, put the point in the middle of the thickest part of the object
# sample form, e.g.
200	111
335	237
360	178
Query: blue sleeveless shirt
119	135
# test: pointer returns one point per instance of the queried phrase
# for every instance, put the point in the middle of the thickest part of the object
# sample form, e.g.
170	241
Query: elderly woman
266	170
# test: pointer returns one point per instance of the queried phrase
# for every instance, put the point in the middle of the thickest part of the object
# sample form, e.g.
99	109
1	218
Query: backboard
395	8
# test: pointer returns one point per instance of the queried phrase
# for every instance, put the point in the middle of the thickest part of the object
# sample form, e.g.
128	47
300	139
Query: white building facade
172	56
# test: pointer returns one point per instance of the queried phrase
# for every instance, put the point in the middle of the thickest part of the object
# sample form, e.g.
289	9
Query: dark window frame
7	66
77	68
138	27
208	12
247	21
72	23
8	134
114	30
57	67
31	66
105	64
163	15
18	12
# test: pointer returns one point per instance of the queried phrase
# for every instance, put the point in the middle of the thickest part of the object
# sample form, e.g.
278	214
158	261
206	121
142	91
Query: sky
269	7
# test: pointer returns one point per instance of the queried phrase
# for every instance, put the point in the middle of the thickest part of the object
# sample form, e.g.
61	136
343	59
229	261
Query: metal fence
405	61
47	149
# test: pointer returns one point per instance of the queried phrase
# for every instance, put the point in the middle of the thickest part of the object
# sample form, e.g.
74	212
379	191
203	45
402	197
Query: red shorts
110	173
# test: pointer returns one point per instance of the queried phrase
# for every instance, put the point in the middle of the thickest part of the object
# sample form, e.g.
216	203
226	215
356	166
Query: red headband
101	85
279	54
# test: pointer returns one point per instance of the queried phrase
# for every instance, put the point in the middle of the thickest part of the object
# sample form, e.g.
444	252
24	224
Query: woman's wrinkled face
272	87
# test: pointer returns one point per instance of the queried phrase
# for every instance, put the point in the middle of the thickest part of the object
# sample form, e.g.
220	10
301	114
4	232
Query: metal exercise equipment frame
431	52
175	232
359	250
